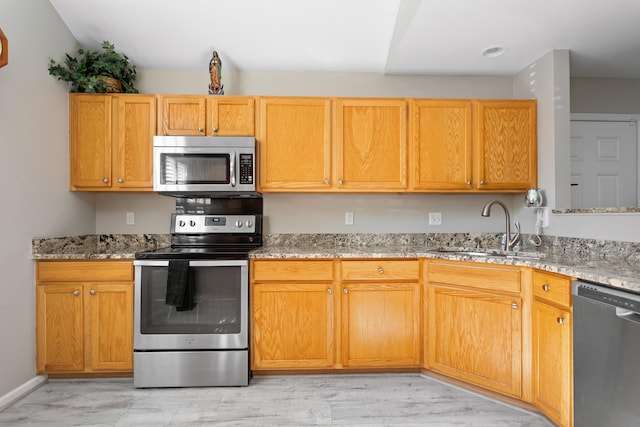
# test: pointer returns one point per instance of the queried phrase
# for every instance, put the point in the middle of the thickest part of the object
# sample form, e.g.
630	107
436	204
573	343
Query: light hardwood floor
299	400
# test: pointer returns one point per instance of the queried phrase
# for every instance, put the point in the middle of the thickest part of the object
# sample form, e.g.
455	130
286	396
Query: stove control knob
181	223
192	223
249	223
238	223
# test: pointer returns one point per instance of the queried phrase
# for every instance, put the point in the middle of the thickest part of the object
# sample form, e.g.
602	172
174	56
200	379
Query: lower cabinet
305	317
474	323
552	347
84	317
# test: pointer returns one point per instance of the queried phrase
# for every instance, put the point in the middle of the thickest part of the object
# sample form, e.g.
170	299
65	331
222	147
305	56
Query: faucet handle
516	238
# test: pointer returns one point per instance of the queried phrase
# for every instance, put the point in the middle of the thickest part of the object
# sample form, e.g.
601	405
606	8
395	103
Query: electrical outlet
348	218
435	218
131	219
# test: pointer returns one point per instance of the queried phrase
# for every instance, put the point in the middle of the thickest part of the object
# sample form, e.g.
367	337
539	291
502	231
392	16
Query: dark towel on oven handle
179	285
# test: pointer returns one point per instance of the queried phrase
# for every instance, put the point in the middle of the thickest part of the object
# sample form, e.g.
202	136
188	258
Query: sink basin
488	253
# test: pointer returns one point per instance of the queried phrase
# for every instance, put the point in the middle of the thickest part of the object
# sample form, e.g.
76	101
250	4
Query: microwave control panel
246	168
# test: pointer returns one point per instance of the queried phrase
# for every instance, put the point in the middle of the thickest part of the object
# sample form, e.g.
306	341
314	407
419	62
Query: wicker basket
113	85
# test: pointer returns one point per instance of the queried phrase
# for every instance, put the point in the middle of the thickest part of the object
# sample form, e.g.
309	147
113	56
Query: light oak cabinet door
195	115
506	145
111	142
441	145
110	309
474	323
552	347
381	324
293	325
295	144
371	144
59	328
84	317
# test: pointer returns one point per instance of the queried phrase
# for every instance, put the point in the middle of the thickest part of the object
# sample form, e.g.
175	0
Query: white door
603	164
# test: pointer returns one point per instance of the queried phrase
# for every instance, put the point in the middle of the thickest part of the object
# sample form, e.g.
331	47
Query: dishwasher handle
629	315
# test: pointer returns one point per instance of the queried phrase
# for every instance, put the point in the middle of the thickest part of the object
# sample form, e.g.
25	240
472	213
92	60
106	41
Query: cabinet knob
514	305
76	293
560	320
92	292
381	270
326	181
200	129
482	182
546	288
468	182
120	180
105	180
340	182
329	291
214	130
345	290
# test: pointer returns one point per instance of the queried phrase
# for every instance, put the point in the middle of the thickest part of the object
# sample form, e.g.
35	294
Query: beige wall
611	96
35	200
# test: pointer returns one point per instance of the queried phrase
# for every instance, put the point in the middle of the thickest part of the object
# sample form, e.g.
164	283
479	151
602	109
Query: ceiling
444	37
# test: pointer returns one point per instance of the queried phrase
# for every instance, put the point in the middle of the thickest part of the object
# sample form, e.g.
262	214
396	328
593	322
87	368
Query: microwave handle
232	169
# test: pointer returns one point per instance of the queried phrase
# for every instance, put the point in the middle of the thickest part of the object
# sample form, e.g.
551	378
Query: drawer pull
514	306
329	291
76	293
346	291
92	292
546	288
381	270
560	320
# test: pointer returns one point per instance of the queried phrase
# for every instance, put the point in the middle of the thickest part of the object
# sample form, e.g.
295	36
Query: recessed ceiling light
492	52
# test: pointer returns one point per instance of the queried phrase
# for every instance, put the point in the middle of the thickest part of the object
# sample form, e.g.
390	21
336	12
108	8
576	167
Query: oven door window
196	168
217	302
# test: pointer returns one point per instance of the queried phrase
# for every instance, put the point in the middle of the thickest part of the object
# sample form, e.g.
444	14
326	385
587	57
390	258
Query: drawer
292	270
481	276
380	270
552	287
84	271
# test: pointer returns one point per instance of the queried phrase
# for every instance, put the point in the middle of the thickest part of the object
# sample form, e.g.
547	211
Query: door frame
604	117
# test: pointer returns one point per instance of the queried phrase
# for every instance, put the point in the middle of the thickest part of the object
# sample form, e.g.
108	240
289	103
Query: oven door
218	320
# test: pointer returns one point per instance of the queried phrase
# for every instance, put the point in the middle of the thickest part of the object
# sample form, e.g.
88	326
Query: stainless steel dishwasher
606	356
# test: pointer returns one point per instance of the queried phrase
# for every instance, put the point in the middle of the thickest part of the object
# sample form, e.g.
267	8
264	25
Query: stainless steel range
191	325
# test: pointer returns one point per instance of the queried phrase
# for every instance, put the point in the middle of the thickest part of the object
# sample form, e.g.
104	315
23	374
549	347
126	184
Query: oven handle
232	168
194	263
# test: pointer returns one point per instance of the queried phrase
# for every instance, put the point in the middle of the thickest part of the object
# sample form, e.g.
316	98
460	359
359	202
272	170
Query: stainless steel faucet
509	242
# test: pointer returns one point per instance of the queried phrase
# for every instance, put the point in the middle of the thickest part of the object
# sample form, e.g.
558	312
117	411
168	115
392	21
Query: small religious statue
215	70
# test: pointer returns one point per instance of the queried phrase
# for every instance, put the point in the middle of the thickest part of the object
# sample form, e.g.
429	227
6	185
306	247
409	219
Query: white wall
36	202
610	96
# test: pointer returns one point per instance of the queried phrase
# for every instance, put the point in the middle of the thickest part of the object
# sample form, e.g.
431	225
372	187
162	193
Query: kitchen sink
489	253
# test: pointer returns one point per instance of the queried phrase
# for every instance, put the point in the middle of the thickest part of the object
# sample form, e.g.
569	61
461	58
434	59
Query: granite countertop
614	263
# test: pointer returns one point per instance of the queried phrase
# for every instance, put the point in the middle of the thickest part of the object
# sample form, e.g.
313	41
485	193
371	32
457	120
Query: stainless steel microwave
204	164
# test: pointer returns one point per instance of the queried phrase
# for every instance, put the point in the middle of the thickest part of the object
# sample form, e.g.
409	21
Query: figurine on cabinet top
215	70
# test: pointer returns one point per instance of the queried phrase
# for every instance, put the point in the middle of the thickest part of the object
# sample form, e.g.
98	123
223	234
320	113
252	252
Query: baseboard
19	392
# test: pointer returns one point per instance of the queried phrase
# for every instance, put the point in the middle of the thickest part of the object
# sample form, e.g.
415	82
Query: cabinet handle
482	182
468	182
105	180
214	130
92	292
340	182
546	288
560	320
120	180
329	291
200	129
345	290
514	305
326	181
381	270
76	293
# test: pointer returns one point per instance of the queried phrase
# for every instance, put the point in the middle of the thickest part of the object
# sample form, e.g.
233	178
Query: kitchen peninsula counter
614	263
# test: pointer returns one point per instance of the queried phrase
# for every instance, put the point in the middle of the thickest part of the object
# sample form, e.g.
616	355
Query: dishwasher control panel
598	292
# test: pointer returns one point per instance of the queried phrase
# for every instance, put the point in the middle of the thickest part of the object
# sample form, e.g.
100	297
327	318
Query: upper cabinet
441	150
506	145
324	145
198	115
111	142
463	145
370	144
295	144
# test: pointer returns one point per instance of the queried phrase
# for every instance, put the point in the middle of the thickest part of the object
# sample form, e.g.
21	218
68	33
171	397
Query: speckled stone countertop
614	263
